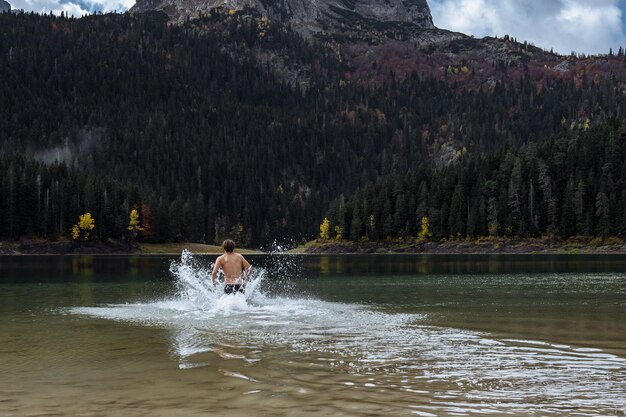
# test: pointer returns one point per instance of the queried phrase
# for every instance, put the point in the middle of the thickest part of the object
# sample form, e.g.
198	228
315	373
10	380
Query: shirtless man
234	266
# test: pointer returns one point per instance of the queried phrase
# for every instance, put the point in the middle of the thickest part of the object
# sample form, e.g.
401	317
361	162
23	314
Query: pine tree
493	225
356	225
568	210
603	214
579	209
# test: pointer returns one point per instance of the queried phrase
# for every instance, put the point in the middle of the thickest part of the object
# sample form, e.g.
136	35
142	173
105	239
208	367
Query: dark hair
228	245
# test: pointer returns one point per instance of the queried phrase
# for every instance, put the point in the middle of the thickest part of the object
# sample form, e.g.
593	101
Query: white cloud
565	25
110	5
47	6
72	8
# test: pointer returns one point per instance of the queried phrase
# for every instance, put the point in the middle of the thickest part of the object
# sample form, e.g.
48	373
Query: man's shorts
233	288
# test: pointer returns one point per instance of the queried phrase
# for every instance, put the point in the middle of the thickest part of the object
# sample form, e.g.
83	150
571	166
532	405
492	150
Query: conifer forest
198	132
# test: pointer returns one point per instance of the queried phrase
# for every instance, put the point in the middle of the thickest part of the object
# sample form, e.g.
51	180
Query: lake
356	335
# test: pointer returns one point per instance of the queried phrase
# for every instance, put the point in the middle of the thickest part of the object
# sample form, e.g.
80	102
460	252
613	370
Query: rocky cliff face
4	6
310	17
376	38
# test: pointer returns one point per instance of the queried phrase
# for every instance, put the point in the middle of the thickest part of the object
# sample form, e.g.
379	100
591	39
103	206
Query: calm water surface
314	336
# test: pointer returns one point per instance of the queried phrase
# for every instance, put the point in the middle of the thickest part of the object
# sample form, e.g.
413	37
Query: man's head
228	245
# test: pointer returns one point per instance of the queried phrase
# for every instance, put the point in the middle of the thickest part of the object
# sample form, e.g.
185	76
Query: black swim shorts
233	288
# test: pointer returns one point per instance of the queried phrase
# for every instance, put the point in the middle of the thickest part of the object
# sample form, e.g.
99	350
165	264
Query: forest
195	128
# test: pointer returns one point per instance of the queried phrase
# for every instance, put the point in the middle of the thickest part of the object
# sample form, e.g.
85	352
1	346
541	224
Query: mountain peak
4	6
310	17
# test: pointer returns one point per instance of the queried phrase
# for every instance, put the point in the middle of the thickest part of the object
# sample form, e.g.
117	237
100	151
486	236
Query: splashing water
195	289
397	351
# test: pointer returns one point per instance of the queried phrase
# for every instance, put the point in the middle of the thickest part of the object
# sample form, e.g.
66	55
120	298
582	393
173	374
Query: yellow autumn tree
338	232
325	229
82	229
424	232
133	224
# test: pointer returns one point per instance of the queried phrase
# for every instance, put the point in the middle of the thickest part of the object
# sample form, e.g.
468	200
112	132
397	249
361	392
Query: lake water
368	335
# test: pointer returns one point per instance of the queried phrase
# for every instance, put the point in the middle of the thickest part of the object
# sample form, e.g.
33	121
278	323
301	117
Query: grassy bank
107	247
487	245
177	248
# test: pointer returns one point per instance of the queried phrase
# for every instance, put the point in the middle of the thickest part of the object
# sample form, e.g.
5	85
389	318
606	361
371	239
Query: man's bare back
234	266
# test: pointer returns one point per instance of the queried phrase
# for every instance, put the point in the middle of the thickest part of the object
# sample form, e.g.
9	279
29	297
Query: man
234	266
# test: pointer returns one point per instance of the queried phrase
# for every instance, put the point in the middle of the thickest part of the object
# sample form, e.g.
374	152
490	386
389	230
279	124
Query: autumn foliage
82	229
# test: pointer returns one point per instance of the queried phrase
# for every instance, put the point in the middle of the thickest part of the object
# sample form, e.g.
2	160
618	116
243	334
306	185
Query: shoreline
43	247
483	246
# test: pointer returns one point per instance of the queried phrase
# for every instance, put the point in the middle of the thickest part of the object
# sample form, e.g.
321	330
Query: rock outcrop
382	39
348	18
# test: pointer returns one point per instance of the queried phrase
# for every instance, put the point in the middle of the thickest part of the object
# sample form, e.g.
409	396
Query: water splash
193	283
194	286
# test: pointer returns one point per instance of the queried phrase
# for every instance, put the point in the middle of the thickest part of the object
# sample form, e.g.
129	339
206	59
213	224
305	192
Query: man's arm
247	268
216	268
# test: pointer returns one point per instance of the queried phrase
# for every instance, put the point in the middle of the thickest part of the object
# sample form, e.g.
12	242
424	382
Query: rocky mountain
376	38
343	19
4	6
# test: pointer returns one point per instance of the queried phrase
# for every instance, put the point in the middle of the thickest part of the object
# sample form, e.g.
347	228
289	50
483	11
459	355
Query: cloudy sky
584	26
73	7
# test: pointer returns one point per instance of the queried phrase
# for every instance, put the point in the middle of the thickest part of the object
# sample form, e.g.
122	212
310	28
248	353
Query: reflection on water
361	342
465	264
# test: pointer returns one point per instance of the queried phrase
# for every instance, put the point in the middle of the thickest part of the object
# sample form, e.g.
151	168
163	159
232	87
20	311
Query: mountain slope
233	124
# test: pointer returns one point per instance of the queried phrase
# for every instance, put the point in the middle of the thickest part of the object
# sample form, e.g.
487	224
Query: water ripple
424	369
